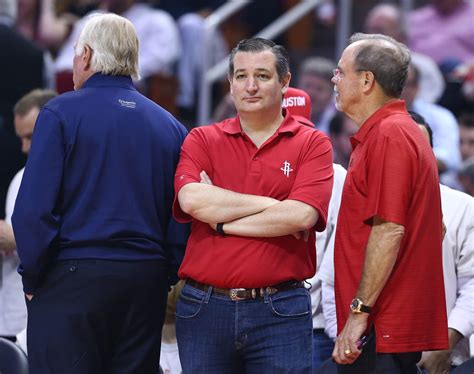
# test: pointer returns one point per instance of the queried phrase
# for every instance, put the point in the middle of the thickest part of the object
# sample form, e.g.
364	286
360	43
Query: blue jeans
323	346
266	335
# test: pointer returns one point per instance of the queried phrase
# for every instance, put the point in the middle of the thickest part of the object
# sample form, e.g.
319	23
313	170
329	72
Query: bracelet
220	229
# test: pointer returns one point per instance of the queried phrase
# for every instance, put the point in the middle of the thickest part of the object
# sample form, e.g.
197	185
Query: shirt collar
289	125
393	107
102	80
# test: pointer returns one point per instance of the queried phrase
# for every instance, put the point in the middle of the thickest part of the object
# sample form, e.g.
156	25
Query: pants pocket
190	302
291	304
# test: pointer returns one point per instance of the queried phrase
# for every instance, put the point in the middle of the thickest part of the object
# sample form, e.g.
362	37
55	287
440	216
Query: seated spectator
443	30
315	78
341	128
387	19
441	120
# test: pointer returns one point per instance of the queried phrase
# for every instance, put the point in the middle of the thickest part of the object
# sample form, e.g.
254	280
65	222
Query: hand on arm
381	254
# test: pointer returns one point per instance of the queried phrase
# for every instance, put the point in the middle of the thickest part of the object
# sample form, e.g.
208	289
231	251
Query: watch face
355	305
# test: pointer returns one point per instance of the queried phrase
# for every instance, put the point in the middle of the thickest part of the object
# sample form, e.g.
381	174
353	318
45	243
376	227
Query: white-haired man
93	213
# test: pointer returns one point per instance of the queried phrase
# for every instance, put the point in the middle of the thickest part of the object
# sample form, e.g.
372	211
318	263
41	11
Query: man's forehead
264	60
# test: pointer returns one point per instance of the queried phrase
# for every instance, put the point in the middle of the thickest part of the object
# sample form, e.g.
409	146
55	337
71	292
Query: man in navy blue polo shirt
92	218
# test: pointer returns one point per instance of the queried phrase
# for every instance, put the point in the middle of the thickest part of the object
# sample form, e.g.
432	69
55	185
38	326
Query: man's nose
251	84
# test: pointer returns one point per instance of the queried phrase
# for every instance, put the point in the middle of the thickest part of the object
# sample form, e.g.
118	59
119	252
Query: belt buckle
234	294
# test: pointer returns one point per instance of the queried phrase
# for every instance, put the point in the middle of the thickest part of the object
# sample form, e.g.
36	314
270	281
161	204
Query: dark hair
466	120
387	61
255	45
34	99
420	120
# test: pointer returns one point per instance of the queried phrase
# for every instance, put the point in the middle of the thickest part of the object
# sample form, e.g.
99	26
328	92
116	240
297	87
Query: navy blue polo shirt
98	183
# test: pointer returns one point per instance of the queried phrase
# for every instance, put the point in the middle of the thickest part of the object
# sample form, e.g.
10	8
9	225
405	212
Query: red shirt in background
393	175
295	163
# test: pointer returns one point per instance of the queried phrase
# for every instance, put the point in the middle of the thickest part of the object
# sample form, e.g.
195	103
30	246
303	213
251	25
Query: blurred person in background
12	305
341	129
442	121
466	132
466	176
458	272
160	45
443	30
314	77
387	19
24	68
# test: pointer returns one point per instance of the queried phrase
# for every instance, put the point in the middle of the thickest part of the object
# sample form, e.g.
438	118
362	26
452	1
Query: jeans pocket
190	302
291	304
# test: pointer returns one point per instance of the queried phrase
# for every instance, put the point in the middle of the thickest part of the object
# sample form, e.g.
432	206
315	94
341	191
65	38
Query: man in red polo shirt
255	187
388	261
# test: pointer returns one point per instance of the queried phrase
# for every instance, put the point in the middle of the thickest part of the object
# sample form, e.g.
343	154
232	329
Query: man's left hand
435	361
346	350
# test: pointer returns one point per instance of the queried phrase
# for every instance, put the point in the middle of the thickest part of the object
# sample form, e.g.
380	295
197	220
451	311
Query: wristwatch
357	306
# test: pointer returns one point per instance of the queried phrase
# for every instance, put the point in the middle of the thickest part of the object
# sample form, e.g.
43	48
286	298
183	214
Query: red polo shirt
393	174
295	163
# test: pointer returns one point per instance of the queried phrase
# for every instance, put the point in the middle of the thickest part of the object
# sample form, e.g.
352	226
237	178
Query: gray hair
114	44
9	8
256	45
320	66
386	58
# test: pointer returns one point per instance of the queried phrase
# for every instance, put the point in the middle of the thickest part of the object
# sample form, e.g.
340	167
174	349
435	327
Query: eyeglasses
337	72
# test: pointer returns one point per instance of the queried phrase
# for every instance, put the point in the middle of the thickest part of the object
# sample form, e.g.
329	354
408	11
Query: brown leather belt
238	294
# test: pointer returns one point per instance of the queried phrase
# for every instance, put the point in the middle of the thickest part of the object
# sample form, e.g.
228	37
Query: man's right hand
7	239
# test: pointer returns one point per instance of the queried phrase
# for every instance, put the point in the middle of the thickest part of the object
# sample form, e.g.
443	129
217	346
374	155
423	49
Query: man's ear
285	83
368	80
87	56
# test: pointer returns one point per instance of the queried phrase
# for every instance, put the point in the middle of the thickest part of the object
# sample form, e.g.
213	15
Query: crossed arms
244	214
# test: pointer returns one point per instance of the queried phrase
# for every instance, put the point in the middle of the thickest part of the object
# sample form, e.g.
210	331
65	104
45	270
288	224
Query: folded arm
212	204
284	218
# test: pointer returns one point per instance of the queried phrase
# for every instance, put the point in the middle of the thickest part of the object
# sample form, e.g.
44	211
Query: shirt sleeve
313	182
461	317
389	180
36	220
465	241
194	159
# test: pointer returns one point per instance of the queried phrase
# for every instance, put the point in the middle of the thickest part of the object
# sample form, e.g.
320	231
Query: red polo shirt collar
397	106
289	125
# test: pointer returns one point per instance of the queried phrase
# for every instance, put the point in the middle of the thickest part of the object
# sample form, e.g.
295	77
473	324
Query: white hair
9	8
114	44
